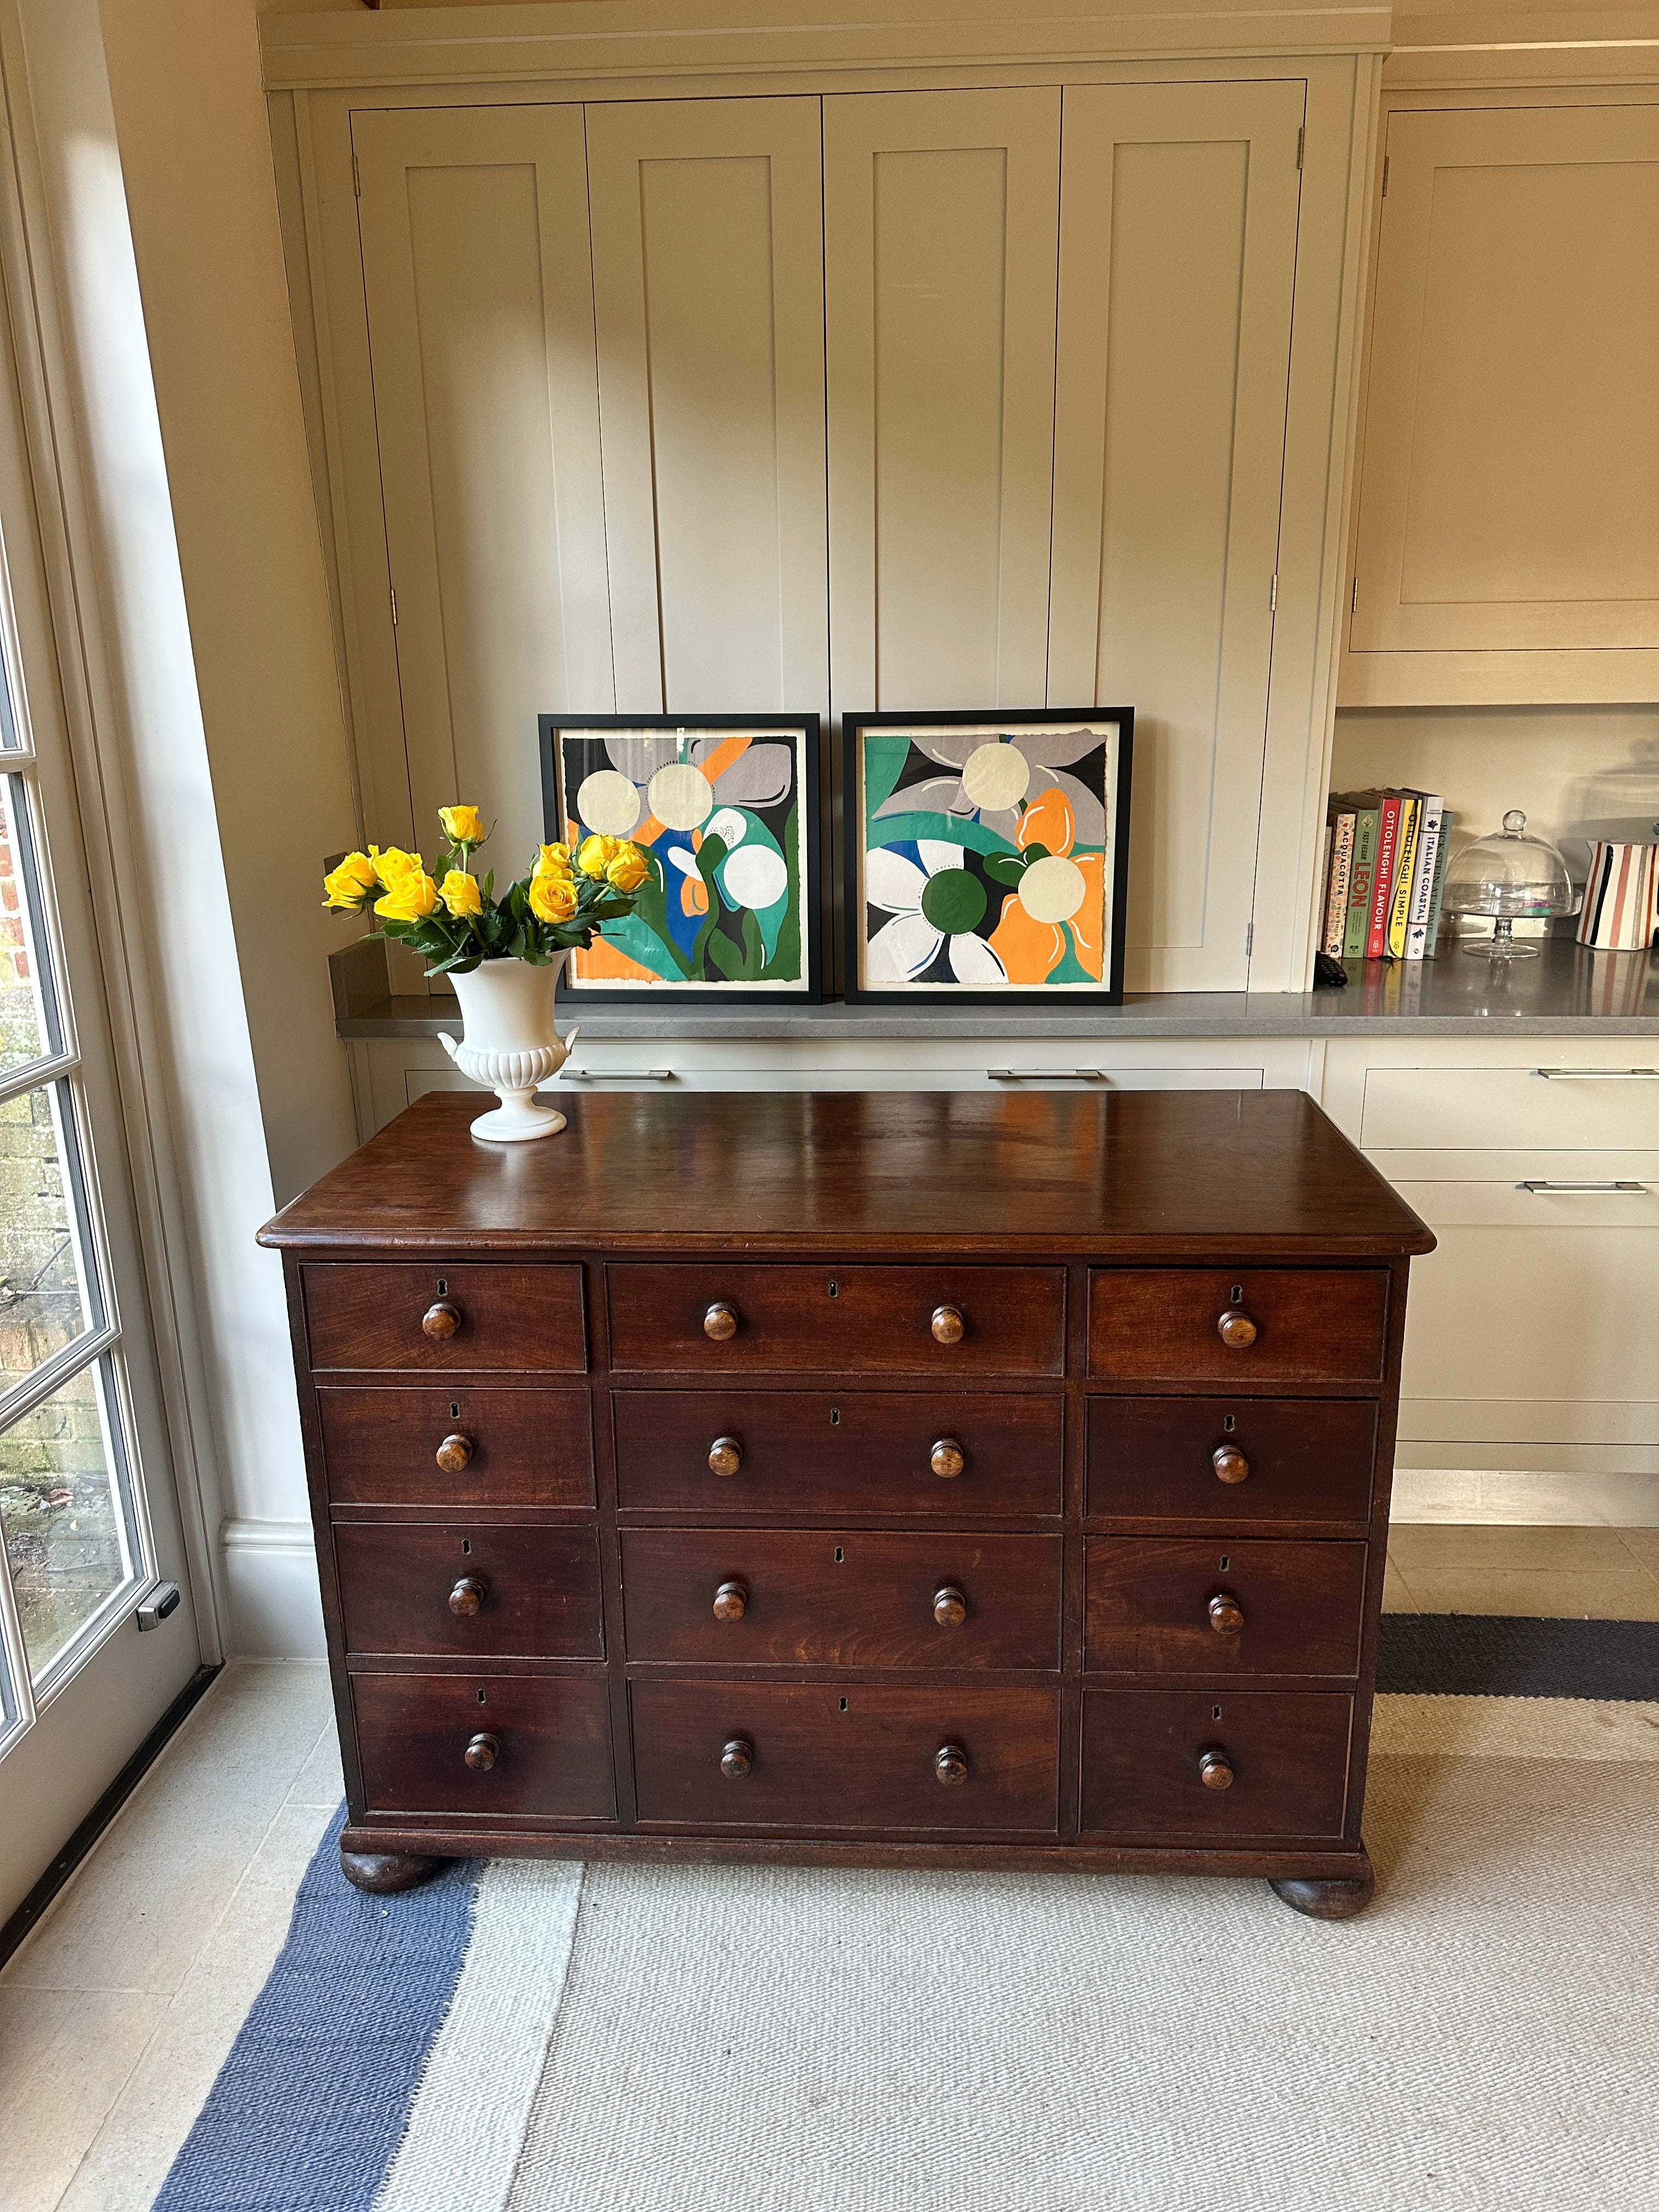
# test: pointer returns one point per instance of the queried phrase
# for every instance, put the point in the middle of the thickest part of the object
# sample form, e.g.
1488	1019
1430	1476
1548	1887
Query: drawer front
469	1588
1611	1105
846	1320
1164	1458
1287	1752
500	1447
847	1756
551	1745
1155	1323
818	1598
1159	1605
824	1452
359	1314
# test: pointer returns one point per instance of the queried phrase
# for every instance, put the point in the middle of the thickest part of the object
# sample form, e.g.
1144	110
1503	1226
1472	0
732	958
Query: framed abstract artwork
726	807
987	854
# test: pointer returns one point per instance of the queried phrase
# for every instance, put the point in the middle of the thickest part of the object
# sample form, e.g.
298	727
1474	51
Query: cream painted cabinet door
941	214
707	230
477	277
1509	499
1177	264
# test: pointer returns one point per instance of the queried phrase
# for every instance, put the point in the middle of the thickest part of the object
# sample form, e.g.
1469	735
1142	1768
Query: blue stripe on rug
310	2106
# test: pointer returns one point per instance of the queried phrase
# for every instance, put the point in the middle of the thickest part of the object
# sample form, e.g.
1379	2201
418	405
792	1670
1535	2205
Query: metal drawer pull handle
617	1075
950	1764
1589	1189
1047	1075
1598	1074
482	1753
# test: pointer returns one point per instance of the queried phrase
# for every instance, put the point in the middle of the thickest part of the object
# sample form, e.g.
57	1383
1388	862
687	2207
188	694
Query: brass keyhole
840	1555
466	1543
1215	1713
1238	1294
1224	1563
843	1704
834	1289
443	1285
1230	1424
481	1697
834	1417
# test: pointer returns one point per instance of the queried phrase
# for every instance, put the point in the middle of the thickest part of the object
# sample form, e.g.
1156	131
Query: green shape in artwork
947	829
1070	969
954	900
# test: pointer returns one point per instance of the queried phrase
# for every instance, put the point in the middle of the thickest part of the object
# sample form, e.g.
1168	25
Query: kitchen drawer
1287	1459
501	1446
842	1452
547	1741
368	1315
838	1321
1161	1605
1611	1105
1287	1753
1151	1324
469	1588
845	1755
816	1598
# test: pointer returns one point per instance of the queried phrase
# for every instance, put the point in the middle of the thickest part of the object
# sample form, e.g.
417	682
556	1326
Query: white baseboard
271	1574
1515	1496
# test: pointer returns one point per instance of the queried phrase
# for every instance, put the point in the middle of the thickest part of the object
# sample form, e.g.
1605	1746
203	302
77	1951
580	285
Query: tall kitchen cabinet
835	399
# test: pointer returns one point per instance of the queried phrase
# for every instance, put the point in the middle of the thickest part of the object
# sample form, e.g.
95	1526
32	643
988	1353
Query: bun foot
381	1873
1328	1900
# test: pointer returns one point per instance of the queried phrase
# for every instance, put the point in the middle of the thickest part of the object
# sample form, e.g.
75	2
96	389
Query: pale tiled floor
118	2011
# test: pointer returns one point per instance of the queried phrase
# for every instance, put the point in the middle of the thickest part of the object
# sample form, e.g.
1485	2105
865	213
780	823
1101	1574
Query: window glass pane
47	1296
29	1025
64	1513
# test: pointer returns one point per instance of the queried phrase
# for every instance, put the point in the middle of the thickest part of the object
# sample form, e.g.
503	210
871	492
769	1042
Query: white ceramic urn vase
510	1045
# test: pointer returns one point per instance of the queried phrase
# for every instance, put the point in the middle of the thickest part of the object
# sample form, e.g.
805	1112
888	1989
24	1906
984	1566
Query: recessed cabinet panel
708	272
941	216
1177	261
1509	499
477	277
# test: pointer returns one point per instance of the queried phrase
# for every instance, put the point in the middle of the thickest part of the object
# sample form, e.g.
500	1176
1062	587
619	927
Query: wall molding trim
270	1572
626	38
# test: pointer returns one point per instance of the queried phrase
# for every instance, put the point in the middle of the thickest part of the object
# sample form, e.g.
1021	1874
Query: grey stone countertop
1567	992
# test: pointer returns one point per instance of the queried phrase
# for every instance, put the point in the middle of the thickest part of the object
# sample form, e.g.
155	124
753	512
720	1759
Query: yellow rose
350	883
629	870
552	898
411	898
394	864
462	825
460	893
552	860
597	854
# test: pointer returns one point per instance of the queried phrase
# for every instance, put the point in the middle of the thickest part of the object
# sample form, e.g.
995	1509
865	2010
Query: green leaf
726	958
884	756
651	910
1070	969
634	935
1004	868
947	829
706	935
753	952
785	960
1035	852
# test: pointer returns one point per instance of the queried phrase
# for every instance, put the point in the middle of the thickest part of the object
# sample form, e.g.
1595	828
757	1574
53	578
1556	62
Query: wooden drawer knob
947	1457
951	1764
468	1594
482	1753
1229	1463
1226	1615
730	1601
719	1324
440	1320
736	1757
1215	1771
947	1325
454	1452
724	1456
1236	1330
949	1607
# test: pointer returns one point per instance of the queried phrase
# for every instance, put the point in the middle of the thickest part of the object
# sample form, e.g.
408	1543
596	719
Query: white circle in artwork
995	777
730	822
754	876
681	796
608	803
1053	889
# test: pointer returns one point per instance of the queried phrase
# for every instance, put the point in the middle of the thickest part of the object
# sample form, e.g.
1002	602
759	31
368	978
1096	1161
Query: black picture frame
1119	769
554	729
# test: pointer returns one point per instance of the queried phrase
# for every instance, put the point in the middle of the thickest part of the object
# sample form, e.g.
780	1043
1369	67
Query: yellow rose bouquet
455	920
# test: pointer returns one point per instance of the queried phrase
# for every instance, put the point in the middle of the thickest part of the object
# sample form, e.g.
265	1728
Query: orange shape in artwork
603	962
1089	922
694	895
728	750
1049	820
1027	949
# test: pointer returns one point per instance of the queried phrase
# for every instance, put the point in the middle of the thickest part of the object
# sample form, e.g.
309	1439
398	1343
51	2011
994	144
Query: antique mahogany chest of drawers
937	1479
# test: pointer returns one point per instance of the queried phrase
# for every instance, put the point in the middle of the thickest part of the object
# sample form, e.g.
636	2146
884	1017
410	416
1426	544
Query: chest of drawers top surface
1137	1174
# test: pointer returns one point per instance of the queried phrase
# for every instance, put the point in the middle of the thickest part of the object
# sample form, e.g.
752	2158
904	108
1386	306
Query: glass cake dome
1512	877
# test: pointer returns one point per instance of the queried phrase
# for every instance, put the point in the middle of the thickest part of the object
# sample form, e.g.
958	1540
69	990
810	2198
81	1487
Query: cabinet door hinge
1353	598
1273	596
394	606
1385	176
356	179
1249	937
1301	136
